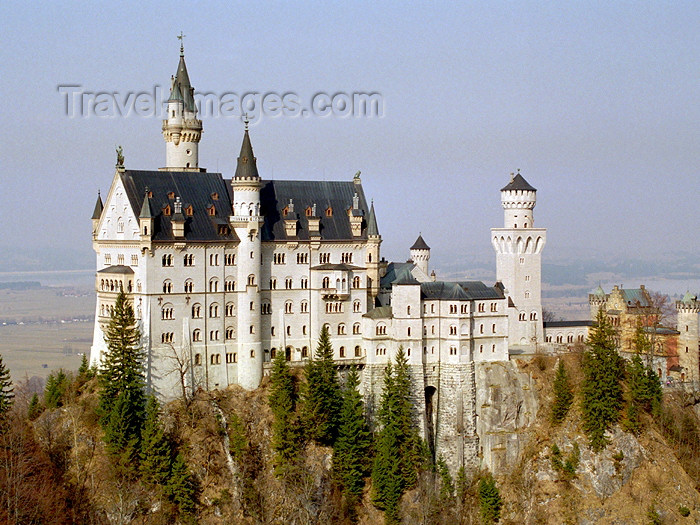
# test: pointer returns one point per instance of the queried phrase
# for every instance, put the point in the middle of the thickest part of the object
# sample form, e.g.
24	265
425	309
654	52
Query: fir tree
121	379
447	487
34	408
84	368
563	395
397	444
601	389
6	391
155	453
490	502
282	399
122	434
180	487
352	447
323	398
56	386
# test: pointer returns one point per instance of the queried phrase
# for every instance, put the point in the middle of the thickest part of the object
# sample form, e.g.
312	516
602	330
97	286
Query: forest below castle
96	447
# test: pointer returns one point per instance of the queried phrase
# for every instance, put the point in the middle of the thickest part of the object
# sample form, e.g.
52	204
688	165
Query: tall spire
372	229
247	164
97	213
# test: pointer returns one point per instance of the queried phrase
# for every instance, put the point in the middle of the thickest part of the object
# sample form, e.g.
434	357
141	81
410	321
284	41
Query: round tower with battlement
420	254
518	247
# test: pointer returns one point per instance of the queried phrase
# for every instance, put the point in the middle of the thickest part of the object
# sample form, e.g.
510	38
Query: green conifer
56	386
34	407
122	435
121	377
490	502
352	447
563	394
156	460
180	487
6	391
601	389
285	436
447	486
323	398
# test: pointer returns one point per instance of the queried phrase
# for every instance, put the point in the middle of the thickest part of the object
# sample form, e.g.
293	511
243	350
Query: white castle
225	273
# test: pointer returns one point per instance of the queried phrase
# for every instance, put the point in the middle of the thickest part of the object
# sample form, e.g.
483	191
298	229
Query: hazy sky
596	102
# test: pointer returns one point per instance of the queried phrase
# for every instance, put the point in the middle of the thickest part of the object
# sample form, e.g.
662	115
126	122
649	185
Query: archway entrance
288	353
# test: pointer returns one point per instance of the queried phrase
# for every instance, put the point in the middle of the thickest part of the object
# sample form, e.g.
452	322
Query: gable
118	220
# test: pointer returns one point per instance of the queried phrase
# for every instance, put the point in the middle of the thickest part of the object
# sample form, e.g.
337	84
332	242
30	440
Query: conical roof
687	298
599	292
182	89
518	183
372	228
247	166
420	244
97	213
146	208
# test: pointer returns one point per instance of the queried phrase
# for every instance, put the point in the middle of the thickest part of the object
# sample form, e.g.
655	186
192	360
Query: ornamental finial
181	37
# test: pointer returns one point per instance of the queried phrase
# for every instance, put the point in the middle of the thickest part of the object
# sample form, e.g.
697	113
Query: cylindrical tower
246	222
420	254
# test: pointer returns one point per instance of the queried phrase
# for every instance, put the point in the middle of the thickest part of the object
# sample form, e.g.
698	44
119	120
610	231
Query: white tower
246	222
420	254
518	248
688	309
181	129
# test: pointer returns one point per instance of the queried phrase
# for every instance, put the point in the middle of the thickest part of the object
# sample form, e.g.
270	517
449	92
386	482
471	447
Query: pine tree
84	366
563	394
447	486
180	487
34	407
6	391
323	398
156	461
285	436
490	502
352	447
601	389
122	435
121	379
397	443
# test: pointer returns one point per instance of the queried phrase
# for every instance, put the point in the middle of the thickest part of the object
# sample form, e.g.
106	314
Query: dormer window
285	211
212	210
215	196
171	195
189	211
329	212
308	211
166	210
223	230
149	194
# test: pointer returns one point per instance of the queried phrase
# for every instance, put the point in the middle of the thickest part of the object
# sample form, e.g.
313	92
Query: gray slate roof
635	297
567	324
463	290
247	164
420	244
197	189
118	268
381	312
396	272
182	90
372	228
97	212
518	183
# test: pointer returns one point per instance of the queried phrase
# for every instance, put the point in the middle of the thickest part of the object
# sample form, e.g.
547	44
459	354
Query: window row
569	338
215	359
289	284
113	285
522	316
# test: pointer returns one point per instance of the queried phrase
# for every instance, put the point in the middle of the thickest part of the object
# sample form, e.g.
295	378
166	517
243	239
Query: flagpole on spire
181	38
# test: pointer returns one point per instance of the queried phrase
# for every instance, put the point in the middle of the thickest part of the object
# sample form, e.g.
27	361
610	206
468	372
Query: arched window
214	285
358	351
304	284
533	316
196	335
304	351
408	310
251	280
356	281
381	329
196	311
326	282
230	309
167	312
304	307
341	351
288	307
341	329
356	305
288	283
273	283
230	285
167	286
356	329
229	332
189	286
213	310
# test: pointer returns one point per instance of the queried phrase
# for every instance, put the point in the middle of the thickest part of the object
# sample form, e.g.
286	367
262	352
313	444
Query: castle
225	273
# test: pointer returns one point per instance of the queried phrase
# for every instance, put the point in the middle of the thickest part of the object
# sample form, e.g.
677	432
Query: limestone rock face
506	405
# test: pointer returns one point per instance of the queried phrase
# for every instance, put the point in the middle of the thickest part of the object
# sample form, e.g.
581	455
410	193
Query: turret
246	221
374	240
518	199
146	221
596	301
688	309
181	128
420	254
96	214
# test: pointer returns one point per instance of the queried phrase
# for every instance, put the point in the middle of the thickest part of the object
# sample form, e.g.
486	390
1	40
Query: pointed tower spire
97	213
247	163
181	128
146	207
372	229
